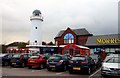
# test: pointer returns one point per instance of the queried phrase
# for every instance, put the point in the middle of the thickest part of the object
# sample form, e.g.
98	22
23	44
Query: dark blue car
81	64
58	62
5	59
20	60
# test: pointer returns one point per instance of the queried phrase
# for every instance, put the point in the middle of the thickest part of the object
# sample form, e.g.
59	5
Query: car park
5	59
38	61
111	65
58	62
20	59
81	63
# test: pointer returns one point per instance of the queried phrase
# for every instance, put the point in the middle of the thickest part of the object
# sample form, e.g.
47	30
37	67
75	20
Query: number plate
13	63
32	61
76	68
52	66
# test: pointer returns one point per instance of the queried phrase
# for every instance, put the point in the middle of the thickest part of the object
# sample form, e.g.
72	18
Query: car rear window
35	57
78	58
55	58
16	56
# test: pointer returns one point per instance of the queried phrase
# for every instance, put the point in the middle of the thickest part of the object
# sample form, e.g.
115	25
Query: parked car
20	60
81	63
111	65
39	61
97	60
58	62
5	59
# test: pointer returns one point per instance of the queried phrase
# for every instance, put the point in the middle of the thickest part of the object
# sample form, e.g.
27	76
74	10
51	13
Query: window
25	56
68	38
78	58
35	41
44	57
16	56
35	27
35	57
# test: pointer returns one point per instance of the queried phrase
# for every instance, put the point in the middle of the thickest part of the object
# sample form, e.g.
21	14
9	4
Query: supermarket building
97	43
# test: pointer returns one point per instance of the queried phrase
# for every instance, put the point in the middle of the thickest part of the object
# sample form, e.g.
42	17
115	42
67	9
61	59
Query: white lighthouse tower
36	31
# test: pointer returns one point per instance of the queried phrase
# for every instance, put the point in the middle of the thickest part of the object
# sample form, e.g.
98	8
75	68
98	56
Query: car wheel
103	75
88	71
6	64
41	66
12	65
49	69
71	71
3	64
29	67
44	66
65	68
95	67
23	65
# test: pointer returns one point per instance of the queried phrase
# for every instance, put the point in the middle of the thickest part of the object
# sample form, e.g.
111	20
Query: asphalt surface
8	71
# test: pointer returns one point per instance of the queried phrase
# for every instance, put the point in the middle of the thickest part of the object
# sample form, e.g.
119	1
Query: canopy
73	46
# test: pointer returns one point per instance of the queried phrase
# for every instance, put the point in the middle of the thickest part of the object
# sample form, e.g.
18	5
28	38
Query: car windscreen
78	58
55	58
113	60
35	57
16	56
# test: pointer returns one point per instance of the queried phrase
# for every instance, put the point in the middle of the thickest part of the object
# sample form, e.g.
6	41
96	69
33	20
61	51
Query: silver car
111	65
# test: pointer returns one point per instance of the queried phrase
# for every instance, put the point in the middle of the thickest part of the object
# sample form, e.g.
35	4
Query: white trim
40	46
82	47
76	45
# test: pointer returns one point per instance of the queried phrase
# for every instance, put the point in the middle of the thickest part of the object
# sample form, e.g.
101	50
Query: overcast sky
97	16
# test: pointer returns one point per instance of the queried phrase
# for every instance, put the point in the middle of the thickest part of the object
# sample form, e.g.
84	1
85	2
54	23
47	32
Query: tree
50	43
43	43
22	45
4	48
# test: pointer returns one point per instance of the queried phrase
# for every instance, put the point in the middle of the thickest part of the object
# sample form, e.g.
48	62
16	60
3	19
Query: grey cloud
99	17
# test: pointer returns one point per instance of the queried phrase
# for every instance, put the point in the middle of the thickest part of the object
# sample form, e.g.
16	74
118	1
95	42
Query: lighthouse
36	28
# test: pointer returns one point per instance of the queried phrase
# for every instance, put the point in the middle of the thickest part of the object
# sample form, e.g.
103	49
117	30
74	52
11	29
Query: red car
38	61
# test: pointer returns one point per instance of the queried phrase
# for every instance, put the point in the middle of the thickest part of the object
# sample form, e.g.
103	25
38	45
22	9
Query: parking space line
58	73
95	73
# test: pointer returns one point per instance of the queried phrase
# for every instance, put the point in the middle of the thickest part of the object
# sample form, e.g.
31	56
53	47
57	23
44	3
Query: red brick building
72	36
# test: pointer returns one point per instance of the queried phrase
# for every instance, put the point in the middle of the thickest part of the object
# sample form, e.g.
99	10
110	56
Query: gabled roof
78	32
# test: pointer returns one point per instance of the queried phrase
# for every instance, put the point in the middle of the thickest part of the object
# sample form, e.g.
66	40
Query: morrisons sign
108	41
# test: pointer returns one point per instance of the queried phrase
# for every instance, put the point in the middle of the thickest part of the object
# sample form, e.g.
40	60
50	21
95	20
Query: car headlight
105	68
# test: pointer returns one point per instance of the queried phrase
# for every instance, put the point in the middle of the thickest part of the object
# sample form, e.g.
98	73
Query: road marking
33	71
95	73
16	68
58	73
